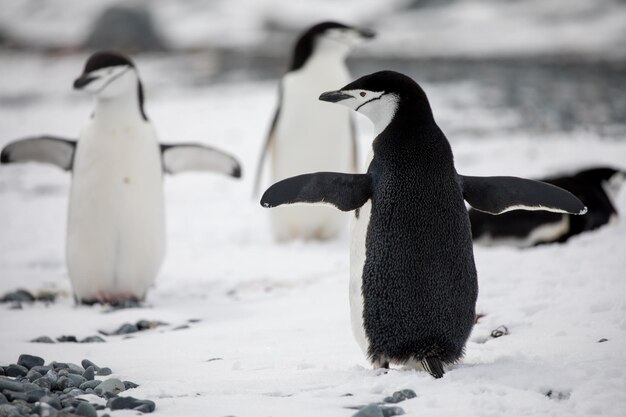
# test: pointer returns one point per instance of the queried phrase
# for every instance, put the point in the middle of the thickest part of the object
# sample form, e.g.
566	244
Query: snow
276	315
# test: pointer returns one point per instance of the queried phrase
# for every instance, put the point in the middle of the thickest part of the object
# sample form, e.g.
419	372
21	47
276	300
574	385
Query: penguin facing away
596	187
307	135
116	222
415	291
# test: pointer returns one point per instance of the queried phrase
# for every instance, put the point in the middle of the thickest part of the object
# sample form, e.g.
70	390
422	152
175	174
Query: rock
75	392
371	410
19	296
63	372
181	327
89	385
35	395
42	339
43	409
89	373
399	396
33	375
125	28
15	370
43	382
130	403
41	369
51	400
30	361
6	383
86	410
68	338
126	328
499	332
104	372
7	410
86	363
15	395
109	387
392	411
59	365
77	380
1	370
64	382
130	385
93	339
52	376
3	399
75	369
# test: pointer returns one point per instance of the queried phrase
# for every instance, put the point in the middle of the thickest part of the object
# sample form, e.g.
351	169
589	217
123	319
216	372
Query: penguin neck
125	107
327	57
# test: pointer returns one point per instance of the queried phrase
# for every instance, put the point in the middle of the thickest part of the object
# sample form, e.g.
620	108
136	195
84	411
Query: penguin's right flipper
198	157
345	191
433	366
46	149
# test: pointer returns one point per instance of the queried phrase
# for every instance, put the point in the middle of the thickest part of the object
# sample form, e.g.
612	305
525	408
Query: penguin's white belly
116	230
358	230
310	136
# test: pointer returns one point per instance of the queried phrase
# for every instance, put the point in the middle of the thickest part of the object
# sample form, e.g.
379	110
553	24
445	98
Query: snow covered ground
276	315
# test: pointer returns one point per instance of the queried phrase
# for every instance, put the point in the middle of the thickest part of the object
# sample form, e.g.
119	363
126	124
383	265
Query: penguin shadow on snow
116	220
306	135
413	281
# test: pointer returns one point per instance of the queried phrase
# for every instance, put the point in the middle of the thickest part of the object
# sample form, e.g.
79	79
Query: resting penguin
596	187
116	223
307	135
414	285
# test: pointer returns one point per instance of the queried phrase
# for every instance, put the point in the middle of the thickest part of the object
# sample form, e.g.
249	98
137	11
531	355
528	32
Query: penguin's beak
334	96
82	81
366	33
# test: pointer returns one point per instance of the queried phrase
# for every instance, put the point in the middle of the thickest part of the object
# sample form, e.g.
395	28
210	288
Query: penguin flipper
197	157
345	191
46	149
497	195
264	151
433	366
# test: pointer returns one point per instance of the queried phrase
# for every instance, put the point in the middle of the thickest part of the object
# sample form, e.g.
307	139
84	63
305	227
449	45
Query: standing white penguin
414	285
116	222
307	135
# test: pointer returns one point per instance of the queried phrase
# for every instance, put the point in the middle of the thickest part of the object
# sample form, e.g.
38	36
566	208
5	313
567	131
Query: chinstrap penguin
116	222
596	187
307	135
414	286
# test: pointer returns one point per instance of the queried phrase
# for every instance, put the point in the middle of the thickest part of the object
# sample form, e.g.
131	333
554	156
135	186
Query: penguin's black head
381	96
610	179
333	37
109	74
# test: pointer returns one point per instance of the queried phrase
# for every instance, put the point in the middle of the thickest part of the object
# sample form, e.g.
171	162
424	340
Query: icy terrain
274	337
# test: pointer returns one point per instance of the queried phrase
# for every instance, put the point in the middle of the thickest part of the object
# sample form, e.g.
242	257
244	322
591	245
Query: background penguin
116	224
417	278
596	187
307	135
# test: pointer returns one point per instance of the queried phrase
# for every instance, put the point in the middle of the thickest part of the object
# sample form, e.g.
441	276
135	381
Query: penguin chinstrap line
413	280
307	135
597	187
116	222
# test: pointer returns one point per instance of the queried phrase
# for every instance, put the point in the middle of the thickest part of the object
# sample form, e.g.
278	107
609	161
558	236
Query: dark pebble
42	339
29	361
3	399
59	365
93	339
400	396
29	386
86	410
52	376
33	375
183	327
130	385
41	369
14	395
126	328
75	392
89	373
43	409
130	403
110	387
603	340
409	393
63	383
1	370
89	385
392	411
19	296
68	338
499	332
371	410
34	396
75	369
143	324
77	379
15	370
101	407
6	383
8	410
43	382
104	371
87	363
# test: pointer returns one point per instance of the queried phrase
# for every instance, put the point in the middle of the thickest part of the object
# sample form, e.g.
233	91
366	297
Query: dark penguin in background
116	221
596	187
308	136
412	246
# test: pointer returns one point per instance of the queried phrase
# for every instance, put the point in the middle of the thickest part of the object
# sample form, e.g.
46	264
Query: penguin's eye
363	93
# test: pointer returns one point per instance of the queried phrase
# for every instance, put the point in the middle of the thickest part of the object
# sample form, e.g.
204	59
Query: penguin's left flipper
497	195
345	191
46	149
197	157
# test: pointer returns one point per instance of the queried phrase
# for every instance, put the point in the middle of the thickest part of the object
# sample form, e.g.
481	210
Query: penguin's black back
306	43
419	277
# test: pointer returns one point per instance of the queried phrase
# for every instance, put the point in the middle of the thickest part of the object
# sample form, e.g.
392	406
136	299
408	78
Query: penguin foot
433	366
381	366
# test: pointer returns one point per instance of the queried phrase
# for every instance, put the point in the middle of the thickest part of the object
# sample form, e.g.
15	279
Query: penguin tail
433	366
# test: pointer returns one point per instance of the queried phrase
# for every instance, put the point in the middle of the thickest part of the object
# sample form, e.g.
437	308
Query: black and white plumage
596	187
116	221
413	280
307	135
